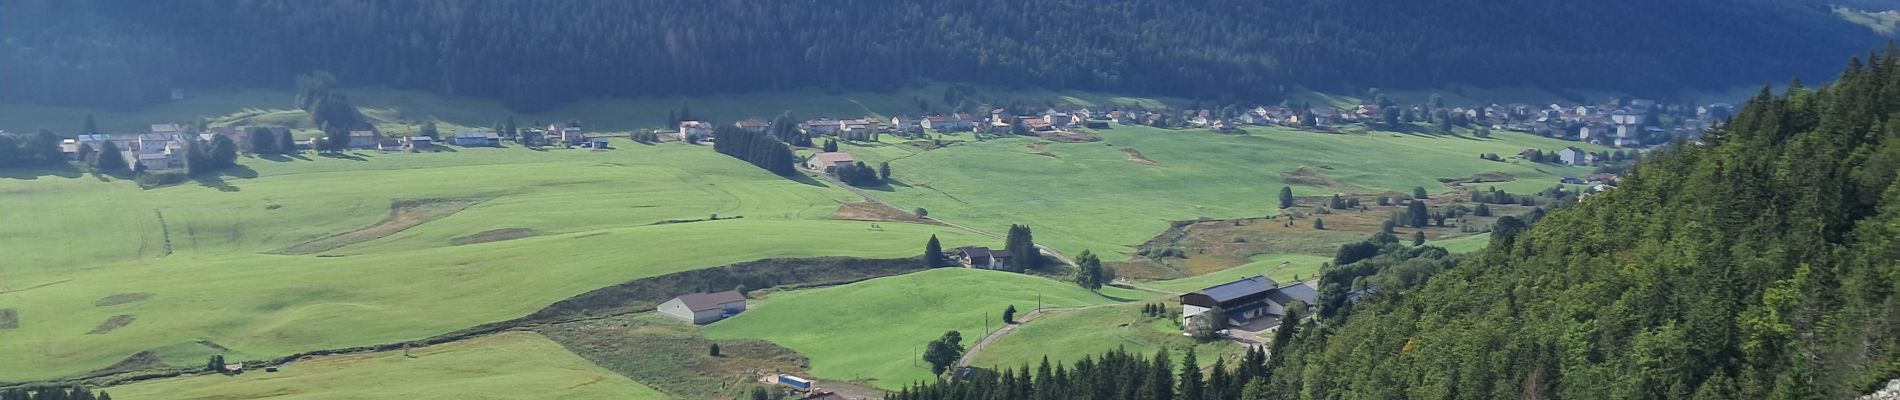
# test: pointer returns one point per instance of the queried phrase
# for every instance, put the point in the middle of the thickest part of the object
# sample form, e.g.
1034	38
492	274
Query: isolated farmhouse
704	308
1245	302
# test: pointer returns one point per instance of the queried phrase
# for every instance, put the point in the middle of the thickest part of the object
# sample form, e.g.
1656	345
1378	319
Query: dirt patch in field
671	356
121	298
1041	149
1487	177
873	211
494	236
9	319
116	322
1070	137
403	214
1135	156
1307	177
139	361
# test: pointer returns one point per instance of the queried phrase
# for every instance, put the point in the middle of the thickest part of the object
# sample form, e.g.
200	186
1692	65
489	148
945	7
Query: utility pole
986	322
1038	301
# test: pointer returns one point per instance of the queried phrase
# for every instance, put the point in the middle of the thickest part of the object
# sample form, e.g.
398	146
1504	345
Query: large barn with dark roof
1246	300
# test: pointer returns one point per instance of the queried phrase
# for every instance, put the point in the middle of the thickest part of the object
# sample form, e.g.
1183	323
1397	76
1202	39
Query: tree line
124	54
54	393
1116	374
760	149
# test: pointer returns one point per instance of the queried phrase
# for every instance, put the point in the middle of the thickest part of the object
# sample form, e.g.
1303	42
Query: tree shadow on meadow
27	174
217	181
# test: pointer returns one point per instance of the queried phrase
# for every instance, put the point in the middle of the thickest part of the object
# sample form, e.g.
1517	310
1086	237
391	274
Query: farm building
752	124
1571	155
598	142
389	145
362	139
1251	299
419	143
564	133
819	127
828	161
476	139
982	258
704	308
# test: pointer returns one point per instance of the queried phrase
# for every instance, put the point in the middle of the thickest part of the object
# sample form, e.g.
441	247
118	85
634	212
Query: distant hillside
128	53
1759	265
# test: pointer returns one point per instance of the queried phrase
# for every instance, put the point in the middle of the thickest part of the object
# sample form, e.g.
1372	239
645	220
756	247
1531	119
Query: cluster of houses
1634	124
868	127
160	148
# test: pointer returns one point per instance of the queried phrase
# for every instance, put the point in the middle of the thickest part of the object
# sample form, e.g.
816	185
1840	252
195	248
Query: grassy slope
78	240
866	331
504	366
1093	198
1068	336
1465	244
1302	267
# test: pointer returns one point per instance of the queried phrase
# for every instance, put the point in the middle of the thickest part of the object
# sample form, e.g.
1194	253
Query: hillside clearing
866	331
506	365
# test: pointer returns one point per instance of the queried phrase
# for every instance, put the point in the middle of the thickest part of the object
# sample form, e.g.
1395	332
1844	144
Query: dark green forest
532	54
1759	264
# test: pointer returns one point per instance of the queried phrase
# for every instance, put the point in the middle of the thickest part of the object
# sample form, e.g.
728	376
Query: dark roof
1241	288
708	301
1303	292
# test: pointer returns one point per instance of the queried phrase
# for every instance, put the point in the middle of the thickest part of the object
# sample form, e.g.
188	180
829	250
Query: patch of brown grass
116	322
1064	136
671	356
403	214
121	298
1041	149
493	236
1135	156
873	211
138	361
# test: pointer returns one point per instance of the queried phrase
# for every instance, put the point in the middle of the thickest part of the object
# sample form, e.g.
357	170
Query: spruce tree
109	160
1009	314
91	127
1319	223
933	254
1286	197
287	143
1417	214
1191	385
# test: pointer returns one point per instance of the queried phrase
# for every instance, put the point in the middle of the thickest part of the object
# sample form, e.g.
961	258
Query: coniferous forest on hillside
123	54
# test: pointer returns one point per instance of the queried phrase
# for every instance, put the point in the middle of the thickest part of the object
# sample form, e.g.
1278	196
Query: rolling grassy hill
866	331
503	366
1091	196
1065	337
181	271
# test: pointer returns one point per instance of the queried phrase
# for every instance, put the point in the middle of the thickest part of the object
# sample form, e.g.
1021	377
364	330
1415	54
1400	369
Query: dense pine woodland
533	54
1760	263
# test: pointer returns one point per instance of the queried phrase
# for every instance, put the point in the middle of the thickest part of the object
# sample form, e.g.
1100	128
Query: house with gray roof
704	308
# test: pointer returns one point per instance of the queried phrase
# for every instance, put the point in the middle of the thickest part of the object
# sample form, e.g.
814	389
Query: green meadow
1065	337
1090	196
1283	268
195	266
511	365
867	331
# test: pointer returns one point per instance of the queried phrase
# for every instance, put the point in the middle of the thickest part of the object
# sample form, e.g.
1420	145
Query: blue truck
794	381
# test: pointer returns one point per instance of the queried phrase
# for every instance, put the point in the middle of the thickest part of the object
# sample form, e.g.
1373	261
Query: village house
151	143
982	258
1057	118
362	139
389	145
168	130
704	308
753	124
569	134
598	143
697	130
828	161
905	123
1245	301
1571	155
